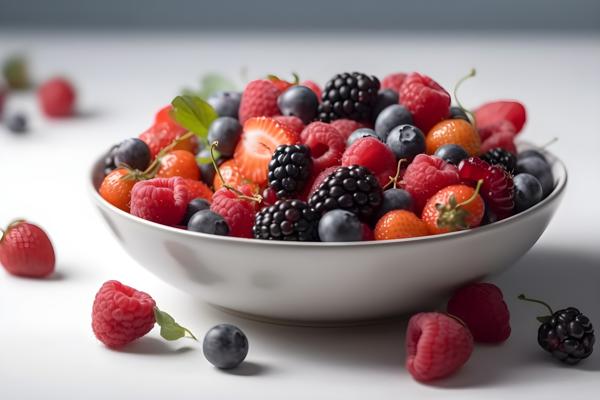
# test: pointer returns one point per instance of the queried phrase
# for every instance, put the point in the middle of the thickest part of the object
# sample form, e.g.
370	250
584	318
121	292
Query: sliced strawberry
495	111
259	140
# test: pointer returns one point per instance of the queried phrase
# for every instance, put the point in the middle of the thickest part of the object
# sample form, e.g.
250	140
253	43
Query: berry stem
257	198
524	298
469	113
473	196
549	143
394	179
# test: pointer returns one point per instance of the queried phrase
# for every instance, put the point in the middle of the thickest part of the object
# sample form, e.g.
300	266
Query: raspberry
26	250
57	97
314	87
326	145
160	200
437	345
393	81
259	100
427	101
374	155
501	134
482	308
121	314
497	111
346	126
426	175
292	122
237	212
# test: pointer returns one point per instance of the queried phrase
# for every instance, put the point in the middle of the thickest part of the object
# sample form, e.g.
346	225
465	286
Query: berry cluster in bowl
357	160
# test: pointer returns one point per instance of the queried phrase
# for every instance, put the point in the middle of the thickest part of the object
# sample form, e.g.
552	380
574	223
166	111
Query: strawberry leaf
213	83
169	329
194	114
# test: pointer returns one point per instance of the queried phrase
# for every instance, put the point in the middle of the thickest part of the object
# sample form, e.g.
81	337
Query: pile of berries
359	160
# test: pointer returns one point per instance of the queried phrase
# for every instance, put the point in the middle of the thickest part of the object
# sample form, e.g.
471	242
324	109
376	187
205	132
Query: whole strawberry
122	314
26	250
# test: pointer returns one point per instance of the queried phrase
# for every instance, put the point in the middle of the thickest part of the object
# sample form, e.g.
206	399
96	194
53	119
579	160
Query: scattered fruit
26	250
225	346
16	123
57	98
16	73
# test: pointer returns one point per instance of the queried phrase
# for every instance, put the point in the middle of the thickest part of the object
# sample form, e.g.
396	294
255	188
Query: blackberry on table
352	188
501	157
289	169
289	220
349	95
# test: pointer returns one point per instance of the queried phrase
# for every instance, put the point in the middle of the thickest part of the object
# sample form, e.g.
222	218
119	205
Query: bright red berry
426	175
198	189
26	250
160	135
238	212
292	122
346	126
497	188
427	101
160	200
326	145
259	99
496	111
486	131
163	116
314	87
437	345
393	81
482	308
374	155
57	97
500	134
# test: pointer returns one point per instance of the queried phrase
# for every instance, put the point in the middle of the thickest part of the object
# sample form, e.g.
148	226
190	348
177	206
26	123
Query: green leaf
213	83
169	329
194	114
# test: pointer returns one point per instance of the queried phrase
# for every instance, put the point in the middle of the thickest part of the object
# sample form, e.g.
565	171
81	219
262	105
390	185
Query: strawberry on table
26	250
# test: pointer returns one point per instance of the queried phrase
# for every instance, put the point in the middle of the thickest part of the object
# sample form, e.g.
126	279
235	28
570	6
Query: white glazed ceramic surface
327	282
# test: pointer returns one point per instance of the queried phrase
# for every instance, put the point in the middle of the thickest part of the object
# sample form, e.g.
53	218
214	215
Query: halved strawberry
496	111
259	140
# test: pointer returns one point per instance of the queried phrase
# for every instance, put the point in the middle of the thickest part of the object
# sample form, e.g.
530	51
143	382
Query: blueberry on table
361	133
540	169
193	207
226	104
406	141
134	153
225	346
16	123
385	98
206	221
394	199
391	117
451	153
528	191
340	226
458	113
226	131
299	101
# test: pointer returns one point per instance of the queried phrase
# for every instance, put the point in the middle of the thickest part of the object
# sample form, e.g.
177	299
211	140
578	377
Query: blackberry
287	220
352	188
349	95
289	169
501	157
567	334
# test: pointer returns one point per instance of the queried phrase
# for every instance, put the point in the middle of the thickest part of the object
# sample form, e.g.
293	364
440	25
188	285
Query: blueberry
391	117
540	169
16	123
109	160
226	104
134	153
207	170
394	199
193	207
451	153
226	131
528	191
458	113
385	98
225	346
361	133
532	153
206	221
340	226
406	141
299	101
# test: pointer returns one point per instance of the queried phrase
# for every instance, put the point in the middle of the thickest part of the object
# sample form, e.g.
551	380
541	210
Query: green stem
213	146
473	196
524	298
394	179
471	74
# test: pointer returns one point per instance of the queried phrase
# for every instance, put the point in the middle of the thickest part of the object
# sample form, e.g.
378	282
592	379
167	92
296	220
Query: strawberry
259	100
453	208
162	134
26	250
116	188
178	163
504	110
399	224
292	122
198	189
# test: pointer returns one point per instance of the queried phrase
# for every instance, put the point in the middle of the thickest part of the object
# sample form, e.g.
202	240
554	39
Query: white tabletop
47	348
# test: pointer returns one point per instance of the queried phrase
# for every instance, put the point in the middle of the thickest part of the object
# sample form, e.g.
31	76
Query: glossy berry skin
399	224
225	346
195	205
259	99
326	144
451	153
26	250
528	191
207	169
385	98
568	335
391	117
340	226
312	85
226	103
160	200
437	345
501	157
359	134
238	212
462	217
207	221
425	176
180	163
540	169
374	155
226	131
495	111
57	98
394	199
454	131
16	123
458	113
406	141
289	169
299	101
133	153
482	308
231	174
116	188
121	314
349	95
426	100
289	220
501	134
163	134
291	122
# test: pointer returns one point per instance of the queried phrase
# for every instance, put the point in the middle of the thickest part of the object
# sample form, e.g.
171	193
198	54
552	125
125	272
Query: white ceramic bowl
327	282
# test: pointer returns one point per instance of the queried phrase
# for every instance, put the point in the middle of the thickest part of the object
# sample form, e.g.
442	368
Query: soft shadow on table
153	347
248	368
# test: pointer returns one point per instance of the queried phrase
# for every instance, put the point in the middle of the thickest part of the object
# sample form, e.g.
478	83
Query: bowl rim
551	198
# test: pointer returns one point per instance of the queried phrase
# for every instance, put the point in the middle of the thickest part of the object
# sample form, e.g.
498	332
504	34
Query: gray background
303	15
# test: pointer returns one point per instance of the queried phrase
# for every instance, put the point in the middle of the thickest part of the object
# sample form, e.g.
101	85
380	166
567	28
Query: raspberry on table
26	250
160	200
259	99
427	101
57	97
426	175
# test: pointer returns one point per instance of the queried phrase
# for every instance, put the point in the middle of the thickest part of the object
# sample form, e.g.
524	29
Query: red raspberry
497	188
393	81
486	131
259	100
121	314
292	122
427	101
237	212
161	135
326	145
160	200
437	345
482	308
374	155
316	180
346	126
57	97
314	87
426	175
26	250
496	111
500	134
